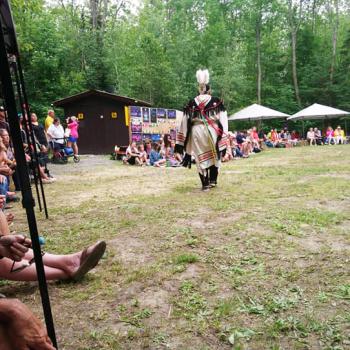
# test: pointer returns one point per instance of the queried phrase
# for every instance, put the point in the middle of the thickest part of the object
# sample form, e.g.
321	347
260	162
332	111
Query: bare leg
75	148
29	273
4	227
68	263
42	173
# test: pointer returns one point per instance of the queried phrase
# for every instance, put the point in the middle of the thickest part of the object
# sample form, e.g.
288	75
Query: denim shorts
72	139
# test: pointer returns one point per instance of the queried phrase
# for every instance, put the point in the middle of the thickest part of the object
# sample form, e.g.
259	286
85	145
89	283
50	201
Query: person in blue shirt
155	159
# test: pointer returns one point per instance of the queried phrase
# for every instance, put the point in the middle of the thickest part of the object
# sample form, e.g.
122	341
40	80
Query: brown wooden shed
102	122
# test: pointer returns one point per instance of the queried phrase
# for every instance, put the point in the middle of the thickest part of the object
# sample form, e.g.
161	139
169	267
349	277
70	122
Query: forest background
285	54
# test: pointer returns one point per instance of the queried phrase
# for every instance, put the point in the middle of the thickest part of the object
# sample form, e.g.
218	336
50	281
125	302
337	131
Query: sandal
89	261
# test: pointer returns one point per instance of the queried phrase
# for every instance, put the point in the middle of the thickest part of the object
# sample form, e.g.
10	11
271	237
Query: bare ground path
261	262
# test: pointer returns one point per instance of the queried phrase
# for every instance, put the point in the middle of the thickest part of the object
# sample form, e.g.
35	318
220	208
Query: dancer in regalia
203	132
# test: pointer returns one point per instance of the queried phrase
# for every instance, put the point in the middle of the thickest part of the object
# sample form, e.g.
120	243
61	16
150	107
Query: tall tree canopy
282	53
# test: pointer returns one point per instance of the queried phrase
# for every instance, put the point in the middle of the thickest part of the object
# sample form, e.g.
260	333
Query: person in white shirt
56	134
311	137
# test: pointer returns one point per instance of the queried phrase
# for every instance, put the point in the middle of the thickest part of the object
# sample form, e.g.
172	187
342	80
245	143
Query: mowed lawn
261	262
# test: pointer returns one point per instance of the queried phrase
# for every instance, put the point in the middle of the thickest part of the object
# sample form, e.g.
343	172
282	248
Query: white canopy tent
317	111
257	112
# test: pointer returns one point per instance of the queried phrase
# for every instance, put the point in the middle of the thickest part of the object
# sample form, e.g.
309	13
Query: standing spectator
56	134
39	131
3	123
73	125
49	119
310	136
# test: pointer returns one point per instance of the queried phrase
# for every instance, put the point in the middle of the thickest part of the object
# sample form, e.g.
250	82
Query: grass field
261	262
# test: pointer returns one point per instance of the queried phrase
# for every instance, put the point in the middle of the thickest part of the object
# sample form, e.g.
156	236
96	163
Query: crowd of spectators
150	153
329	137
19	327
240	144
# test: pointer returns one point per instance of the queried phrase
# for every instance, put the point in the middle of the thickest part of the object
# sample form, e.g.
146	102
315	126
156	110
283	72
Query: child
142	154
132	155
172	157
155	158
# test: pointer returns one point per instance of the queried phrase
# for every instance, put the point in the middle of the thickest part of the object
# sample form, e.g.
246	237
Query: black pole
27	196
32	132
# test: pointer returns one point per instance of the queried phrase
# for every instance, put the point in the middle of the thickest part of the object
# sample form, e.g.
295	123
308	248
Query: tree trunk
294	24
258	56
334	41
94	12
294	67
314	15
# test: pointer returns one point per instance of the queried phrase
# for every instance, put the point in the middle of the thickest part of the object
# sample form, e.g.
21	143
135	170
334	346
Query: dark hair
155	146
2	132
56	120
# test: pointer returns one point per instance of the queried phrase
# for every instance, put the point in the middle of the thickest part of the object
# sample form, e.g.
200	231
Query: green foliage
153	54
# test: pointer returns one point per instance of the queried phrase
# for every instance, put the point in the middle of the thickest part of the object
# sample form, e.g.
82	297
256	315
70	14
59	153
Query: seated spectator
243	144
142	155
330	139
132	156
3	123
254	138
294	137
56	135
228	154
236	151
283	139
155	158
172	158
274	138
339	135
20	329
310	137
18	264
318	136
177	156
262	138
148	147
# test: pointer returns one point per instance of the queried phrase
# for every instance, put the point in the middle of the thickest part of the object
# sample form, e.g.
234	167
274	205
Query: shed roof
94	92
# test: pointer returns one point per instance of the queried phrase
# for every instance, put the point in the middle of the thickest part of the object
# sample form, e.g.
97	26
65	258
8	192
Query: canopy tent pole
346	128
303	129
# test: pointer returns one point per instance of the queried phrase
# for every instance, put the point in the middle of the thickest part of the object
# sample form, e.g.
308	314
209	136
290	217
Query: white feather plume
202	76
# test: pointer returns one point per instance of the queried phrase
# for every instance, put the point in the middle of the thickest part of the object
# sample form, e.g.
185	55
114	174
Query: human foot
88	259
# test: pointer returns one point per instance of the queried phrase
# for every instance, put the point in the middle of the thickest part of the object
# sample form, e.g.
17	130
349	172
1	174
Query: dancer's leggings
211	176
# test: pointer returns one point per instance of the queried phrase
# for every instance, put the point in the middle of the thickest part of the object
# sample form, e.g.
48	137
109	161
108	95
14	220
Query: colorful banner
171	114
161	113
145	115
153	115
151	123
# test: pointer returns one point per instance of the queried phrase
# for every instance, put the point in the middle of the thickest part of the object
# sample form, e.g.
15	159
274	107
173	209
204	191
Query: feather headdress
203	80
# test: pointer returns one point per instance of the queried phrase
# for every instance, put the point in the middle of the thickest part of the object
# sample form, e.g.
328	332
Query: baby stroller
61	153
